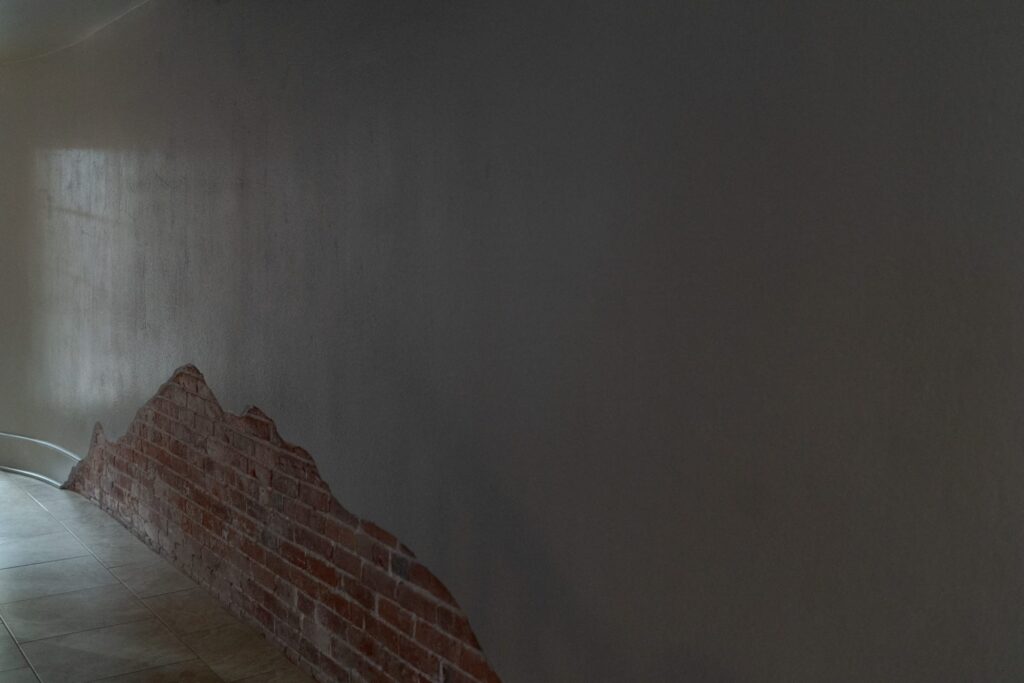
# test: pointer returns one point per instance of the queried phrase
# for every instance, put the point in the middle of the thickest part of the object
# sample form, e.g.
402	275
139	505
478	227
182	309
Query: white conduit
35	458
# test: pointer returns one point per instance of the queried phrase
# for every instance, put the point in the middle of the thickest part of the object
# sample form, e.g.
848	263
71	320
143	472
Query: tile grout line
33	564
54	595
141	600
117	580
85	630
137	597
28	662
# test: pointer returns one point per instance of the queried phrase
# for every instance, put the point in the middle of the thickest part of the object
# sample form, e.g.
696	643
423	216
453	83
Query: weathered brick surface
247	516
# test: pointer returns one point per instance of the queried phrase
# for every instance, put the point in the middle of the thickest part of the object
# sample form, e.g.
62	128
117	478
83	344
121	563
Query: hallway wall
680	339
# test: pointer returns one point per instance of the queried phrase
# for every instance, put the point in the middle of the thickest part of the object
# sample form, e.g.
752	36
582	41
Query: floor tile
115	551
291	674
154	577
49	578
23	517
72	612
24	675
112	544
29	526
93	528
189	611
65	504
186	672
16	552
235	652
11	494
17	505
105	652
10	655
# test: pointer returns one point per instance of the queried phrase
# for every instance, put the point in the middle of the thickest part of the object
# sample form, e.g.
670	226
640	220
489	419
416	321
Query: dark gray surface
681	339
29	28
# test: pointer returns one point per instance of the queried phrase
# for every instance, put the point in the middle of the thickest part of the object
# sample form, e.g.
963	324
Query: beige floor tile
13	496
98	527
154	577
27	522
105	652
17	552
72	612
10	655
76	623
115	552
19	505
112	544
290	674
235	652
189	611
186	672
49	578
65	504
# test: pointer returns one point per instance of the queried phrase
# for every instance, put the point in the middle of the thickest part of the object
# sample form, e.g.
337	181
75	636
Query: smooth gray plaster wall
682	339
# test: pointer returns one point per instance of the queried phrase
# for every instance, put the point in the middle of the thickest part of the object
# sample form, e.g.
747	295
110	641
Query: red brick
339	532
313	542
396	616
322	570
257	427
435	641
417	655
334	670
344	608
379	581
238	442
347	562
473	663
293	554
314	497
285	485
305	604
450	674
456	625
374	531
422	577
355	588
249	518
339	512
416	602
369	549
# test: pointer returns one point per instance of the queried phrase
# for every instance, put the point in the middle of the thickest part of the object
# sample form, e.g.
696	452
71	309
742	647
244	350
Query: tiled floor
81	599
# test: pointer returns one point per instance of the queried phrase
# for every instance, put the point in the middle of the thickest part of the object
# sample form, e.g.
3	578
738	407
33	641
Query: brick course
247	516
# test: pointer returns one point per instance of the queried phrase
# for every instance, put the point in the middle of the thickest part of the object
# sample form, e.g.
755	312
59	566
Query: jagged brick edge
248	517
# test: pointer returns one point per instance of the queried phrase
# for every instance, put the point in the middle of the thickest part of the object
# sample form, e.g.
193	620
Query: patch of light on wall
83	262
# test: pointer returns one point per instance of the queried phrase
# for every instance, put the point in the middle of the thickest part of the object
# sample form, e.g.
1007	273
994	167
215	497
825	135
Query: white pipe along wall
680	339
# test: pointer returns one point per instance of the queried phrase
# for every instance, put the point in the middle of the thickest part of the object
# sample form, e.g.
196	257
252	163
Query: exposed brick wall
247	516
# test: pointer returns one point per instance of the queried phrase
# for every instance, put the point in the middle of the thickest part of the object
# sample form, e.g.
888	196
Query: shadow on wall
554	602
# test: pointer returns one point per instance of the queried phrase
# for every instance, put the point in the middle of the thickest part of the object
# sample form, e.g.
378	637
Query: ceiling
29	28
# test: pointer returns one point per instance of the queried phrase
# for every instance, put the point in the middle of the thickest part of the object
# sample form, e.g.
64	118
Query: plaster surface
31	28
681	340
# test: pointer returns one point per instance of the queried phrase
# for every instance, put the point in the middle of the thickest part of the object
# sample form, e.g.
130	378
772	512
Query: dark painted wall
680	338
